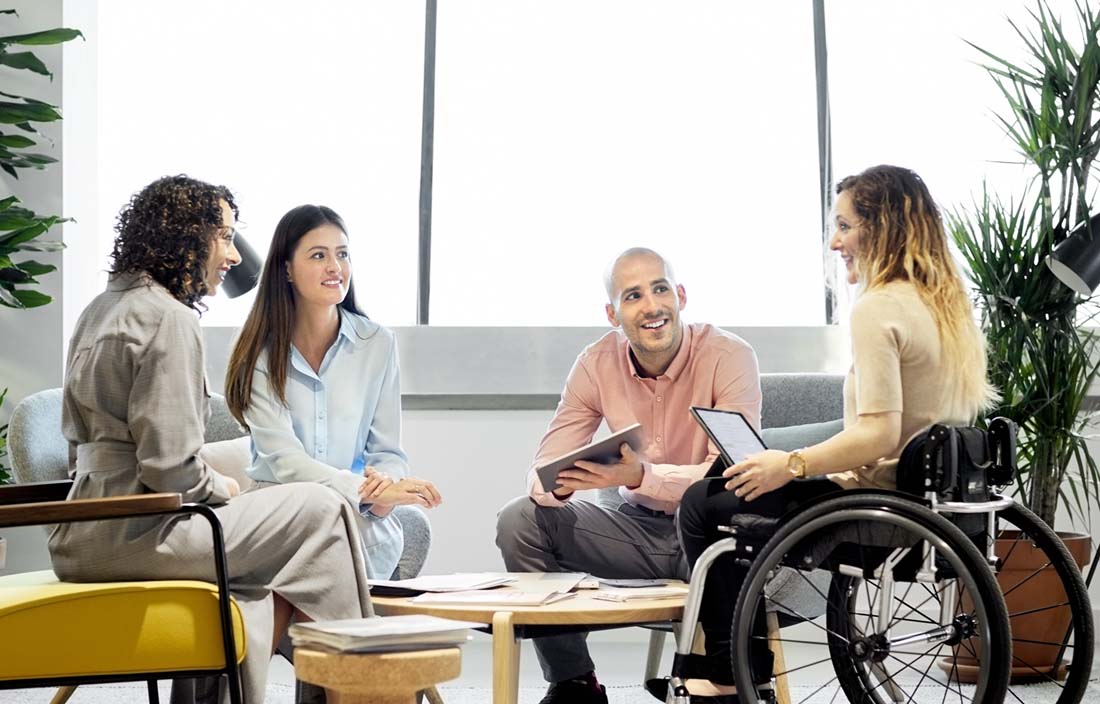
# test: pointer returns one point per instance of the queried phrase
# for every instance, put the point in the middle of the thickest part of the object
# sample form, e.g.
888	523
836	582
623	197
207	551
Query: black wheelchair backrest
959	463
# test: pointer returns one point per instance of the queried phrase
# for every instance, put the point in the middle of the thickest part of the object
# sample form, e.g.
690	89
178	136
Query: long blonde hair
903	239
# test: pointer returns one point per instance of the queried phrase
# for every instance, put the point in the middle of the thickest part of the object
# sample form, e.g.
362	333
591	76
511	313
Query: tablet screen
730	431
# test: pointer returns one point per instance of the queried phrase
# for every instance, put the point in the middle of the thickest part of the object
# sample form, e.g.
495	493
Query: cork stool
377	678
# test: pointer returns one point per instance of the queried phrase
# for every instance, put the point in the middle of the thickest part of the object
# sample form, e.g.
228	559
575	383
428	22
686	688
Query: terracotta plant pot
1031	586
1022	594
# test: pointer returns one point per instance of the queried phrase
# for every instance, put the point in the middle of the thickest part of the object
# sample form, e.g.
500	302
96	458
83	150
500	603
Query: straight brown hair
270	323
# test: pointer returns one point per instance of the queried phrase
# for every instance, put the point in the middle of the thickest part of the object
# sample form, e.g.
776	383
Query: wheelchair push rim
879	641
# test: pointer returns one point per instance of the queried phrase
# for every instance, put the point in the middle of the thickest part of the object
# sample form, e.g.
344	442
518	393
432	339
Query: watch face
796	464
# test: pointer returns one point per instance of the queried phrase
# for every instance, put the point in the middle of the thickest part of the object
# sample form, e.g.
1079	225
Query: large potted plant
21	228
1041	358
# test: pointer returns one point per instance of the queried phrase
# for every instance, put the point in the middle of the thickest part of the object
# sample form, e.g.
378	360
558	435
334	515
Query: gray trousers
630	542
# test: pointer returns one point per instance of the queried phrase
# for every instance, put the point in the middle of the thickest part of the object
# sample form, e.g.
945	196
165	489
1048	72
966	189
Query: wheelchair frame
940	463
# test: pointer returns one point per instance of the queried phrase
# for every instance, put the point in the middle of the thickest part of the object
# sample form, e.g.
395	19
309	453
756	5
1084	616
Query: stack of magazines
671	591
382	633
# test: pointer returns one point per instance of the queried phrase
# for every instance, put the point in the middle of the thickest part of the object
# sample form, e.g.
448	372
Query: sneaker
574	692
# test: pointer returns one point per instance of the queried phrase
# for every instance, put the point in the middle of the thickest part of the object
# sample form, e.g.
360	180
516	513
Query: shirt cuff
650	483
364	511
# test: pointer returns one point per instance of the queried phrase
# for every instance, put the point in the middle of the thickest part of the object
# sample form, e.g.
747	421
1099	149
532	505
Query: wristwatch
796	464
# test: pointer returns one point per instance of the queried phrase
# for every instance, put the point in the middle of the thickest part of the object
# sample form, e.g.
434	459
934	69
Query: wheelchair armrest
76	510
34	491
750	526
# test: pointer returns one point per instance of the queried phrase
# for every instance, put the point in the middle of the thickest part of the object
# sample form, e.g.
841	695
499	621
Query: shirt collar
347	327
347	331
357	329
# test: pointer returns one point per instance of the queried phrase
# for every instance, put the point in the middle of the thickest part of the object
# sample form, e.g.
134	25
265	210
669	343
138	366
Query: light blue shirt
341	419
337	421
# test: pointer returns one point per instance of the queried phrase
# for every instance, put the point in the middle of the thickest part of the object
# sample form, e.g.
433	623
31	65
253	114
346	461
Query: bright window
285	104
568	131
907	89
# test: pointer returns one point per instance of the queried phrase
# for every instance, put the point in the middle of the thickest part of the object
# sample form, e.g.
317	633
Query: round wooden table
376	678
509	624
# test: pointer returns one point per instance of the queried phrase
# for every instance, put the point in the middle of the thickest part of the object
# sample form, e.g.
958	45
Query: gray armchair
39	453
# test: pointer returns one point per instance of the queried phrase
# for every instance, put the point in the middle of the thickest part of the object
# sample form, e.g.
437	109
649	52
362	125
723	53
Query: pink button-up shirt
713	369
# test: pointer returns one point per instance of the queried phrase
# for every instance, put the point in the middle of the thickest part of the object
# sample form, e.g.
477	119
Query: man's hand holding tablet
596	475
613	461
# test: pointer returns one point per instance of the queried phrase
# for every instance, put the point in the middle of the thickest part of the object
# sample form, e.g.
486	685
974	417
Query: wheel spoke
1019	584
805	619
915	609
1045	675
794	641
812	585
811	694
803	667
927	653
1052	643
1014	614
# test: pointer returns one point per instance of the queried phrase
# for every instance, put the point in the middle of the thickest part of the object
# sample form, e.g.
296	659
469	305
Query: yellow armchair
63	633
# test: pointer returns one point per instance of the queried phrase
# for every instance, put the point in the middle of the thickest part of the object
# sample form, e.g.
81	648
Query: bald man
651	369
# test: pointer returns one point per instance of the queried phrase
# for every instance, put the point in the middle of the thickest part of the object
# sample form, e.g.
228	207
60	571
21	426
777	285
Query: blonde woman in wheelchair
918	358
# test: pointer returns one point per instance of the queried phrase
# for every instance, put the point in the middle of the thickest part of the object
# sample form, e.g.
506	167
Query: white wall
479	460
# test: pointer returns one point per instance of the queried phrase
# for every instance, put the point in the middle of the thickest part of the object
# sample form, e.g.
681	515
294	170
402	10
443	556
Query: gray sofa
39	453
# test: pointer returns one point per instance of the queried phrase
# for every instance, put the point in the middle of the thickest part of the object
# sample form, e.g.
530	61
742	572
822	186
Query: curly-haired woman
316	382
918	358
135	404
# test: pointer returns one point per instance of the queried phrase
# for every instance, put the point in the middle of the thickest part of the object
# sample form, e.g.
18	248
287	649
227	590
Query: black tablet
731	433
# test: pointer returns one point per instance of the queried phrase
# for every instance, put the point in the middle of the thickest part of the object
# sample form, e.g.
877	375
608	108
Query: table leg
62	695
779	664
505	660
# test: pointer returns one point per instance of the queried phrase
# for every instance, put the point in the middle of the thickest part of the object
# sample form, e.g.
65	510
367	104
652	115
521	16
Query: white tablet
731	433
603	451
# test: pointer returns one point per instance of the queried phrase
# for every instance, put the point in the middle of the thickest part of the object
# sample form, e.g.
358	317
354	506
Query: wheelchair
906	603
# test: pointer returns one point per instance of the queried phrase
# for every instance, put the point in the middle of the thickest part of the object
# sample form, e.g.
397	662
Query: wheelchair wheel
892	626
1062	654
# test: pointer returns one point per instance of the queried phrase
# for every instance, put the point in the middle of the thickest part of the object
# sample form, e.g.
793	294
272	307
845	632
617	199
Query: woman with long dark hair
135	407
316	382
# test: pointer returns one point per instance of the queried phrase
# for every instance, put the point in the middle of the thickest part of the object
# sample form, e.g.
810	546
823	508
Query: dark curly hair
166	231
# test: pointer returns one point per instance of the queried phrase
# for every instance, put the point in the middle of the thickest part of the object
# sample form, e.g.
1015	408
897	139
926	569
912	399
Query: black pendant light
242	278
1076	261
